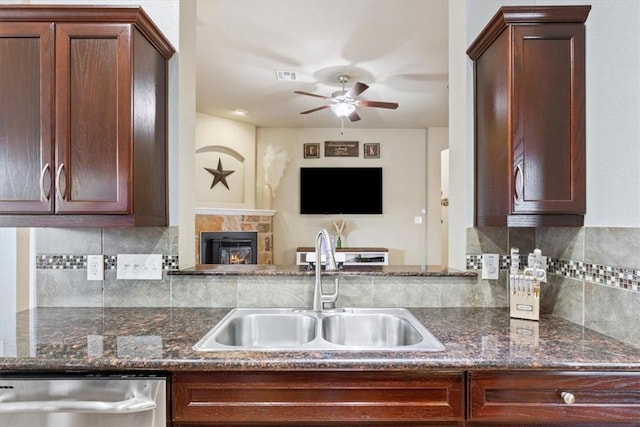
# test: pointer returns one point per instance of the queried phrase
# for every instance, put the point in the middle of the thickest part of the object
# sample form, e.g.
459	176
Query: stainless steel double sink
289	329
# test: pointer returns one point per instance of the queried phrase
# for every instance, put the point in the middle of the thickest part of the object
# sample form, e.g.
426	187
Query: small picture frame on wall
312	150
372	150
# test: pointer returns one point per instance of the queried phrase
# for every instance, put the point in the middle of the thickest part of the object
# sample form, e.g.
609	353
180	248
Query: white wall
402	156
438	140
613	114
182	125
460	152
612	106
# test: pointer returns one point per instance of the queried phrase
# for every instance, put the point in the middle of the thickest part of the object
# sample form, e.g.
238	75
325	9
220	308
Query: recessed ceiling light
241	111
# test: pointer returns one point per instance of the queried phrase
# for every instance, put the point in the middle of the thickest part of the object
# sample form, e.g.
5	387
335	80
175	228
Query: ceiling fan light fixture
342	109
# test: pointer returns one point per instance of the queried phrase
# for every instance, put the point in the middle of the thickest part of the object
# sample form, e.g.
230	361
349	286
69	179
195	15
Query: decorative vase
267	194
339	242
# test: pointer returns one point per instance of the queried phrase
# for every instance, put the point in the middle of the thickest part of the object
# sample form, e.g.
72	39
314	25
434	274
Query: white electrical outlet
490	266
95	267
139	267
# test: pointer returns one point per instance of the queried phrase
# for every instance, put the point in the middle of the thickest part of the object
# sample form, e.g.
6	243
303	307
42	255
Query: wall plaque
341	149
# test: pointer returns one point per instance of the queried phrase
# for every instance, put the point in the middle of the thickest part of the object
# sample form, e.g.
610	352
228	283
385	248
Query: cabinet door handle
58	173
43	193
568	398
519	182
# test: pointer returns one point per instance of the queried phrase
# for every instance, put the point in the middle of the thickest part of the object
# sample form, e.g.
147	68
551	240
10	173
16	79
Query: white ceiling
397	47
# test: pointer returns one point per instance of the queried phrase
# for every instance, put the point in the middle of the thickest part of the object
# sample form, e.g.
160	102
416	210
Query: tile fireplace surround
238	220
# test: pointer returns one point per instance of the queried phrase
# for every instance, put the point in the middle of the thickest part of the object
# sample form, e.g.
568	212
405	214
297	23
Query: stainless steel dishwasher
76	400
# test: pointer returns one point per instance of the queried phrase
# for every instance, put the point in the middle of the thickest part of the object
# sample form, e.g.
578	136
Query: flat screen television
341	190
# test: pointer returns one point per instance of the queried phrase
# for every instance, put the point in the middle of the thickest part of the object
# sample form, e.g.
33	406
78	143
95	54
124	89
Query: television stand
347	256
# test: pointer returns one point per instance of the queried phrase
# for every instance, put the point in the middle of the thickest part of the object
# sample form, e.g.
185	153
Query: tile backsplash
594	272
594	276
61	262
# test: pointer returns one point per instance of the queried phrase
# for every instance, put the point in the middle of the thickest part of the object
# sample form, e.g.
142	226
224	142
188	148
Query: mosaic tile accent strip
618	277
79	262
61	262
474	262
170	262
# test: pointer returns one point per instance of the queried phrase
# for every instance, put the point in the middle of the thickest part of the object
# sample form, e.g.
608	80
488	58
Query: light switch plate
490	266
139	267
95	267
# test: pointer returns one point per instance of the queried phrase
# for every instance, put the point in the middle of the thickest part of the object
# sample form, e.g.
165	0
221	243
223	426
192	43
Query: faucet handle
332	298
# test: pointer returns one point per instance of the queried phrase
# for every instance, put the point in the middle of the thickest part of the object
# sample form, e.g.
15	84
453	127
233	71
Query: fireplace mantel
234	212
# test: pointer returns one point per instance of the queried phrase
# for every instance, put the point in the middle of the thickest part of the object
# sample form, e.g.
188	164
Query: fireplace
229	247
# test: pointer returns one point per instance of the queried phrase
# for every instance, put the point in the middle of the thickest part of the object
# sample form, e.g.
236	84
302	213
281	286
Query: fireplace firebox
229	247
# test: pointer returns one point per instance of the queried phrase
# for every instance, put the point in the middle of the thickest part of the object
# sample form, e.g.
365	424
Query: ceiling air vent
286	75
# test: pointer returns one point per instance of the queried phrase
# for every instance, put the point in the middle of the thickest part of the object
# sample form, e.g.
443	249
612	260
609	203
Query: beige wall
403	158
234	144
404	155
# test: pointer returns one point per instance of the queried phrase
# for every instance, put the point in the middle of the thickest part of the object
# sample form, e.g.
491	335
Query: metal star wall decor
219	175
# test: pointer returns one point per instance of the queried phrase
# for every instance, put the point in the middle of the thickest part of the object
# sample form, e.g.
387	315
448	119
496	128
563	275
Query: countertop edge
261	364
296	270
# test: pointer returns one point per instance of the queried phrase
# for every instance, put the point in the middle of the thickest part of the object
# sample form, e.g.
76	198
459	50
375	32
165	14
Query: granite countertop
297	270
162	339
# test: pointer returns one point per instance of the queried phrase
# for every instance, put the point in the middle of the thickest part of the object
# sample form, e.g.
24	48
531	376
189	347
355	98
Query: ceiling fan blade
315	109
299	92
354	117
356	90
379	104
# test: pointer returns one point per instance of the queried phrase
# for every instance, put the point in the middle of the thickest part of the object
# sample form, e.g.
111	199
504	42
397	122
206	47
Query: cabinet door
26	107
549	119
93	122
323	398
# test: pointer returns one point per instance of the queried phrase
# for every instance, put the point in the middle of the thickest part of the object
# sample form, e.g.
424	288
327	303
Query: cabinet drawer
321	397
554	396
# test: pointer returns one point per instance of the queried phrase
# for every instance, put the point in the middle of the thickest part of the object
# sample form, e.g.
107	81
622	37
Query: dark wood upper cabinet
83	112
529	105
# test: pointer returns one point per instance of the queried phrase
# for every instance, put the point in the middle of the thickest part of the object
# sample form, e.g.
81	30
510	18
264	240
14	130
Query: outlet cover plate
139	267
95	267
490	266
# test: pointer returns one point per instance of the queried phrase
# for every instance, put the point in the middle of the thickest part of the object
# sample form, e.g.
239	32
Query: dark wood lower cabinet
406	398
307	398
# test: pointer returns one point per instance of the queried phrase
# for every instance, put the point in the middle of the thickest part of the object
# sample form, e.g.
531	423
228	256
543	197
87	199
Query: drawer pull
568	398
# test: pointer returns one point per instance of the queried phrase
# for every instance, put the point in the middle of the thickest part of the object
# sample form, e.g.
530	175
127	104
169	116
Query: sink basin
370	330
266	330
255	328
288	329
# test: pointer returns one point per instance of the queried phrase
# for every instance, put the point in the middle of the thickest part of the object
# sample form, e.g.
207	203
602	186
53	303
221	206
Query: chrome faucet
318	297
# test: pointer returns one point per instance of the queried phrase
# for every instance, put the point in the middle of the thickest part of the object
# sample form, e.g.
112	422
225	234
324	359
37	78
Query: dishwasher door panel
83	401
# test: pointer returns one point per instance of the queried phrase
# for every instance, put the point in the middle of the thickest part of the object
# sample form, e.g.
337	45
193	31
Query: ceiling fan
344	102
